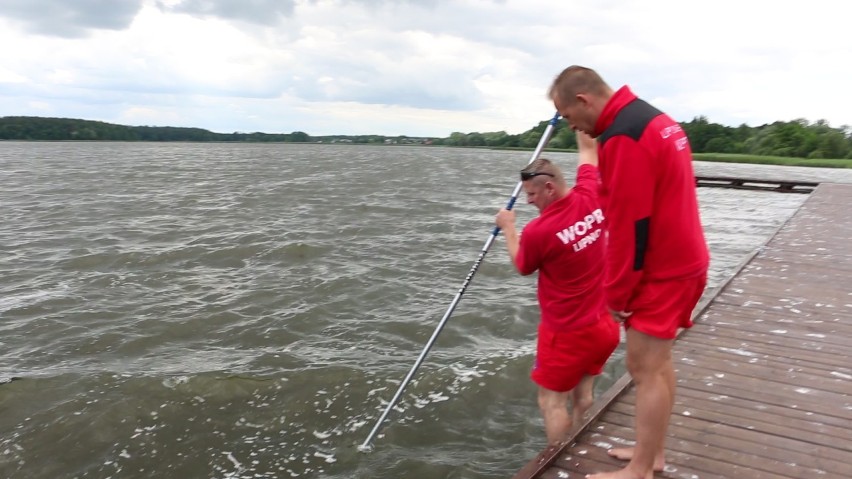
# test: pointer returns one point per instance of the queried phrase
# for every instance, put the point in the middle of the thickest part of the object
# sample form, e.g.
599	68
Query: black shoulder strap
631	120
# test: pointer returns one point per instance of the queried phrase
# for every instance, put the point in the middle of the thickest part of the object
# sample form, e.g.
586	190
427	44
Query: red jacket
649	198
565	244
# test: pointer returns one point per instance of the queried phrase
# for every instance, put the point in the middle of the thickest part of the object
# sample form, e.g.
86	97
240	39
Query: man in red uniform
565	244
656	258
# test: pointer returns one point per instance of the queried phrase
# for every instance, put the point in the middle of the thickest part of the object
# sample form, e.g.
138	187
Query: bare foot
620	474
626	454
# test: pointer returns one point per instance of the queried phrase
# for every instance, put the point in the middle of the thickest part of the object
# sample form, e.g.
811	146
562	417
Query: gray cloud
271	12
263	12
70	19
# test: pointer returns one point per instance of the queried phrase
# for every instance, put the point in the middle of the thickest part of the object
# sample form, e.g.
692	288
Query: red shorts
564	357
661	307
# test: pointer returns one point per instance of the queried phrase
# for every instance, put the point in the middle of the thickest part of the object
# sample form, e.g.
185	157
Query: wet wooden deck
764	376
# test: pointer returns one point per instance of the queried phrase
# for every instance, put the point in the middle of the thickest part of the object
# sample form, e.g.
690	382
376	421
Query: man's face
577	113
539	191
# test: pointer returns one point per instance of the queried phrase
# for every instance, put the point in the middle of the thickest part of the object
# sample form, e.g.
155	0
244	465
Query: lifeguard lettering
670	130
583	233
680	141
587	240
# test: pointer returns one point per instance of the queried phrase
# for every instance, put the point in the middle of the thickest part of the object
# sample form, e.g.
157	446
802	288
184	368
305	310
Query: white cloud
9	76
415	68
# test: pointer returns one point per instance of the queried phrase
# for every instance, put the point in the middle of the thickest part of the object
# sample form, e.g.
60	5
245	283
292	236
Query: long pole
541	144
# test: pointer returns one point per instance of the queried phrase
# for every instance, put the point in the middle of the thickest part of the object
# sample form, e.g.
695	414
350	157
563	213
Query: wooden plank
739	410
781	186
837	425
769	392
799	330
828	354
769	377
778	358
761	308
758	421
693	454
757	446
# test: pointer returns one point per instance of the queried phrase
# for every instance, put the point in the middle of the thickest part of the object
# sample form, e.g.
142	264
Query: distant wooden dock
779	186
764	376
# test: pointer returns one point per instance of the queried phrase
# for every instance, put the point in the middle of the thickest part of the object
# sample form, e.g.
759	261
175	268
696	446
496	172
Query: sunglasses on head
528	175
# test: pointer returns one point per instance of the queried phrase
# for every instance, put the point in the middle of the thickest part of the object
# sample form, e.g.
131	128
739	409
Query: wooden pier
764	376
779	186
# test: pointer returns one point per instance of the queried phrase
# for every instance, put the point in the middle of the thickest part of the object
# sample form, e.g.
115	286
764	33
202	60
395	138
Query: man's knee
647	355
549	400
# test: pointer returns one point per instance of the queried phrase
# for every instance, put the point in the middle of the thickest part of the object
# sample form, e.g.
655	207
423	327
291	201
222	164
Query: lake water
246	311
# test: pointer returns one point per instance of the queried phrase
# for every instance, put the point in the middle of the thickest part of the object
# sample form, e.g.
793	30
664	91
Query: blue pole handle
511	203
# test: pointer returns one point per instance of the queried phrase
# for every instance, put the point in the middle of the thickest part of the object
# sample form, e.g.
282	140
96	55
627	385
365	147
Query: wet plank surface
764	376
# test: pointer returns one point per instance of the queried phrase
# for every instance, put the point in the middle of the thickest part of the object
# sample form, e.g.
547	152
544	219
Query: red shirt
565	244
648	194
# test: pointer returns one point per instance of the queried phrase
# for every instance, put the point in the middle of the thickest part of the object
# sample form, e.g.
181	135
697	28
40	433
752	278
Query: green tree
475	139
564	138
300	137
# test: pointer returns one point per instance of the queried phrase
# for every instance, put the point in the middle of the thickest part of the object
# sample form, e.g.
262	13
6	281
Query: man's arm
587	173
587	149
630	183
506	222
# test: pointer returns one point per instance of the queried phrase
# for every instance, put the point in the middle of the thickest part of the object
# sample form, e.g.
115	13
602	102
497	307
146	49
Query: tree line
797	139
65	129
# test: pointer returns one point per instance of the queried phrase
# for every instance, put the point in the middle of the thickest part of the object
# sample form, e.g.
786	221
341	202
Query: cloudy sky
416	67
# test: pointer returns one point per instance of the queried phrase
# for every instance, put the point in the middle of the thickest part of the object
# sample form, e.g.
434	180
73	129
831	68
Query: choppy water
245	311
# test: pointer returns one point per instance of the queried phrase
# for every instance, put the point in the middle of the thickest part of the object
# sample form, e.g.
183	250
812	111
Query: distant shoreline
708	157
797	143
772	160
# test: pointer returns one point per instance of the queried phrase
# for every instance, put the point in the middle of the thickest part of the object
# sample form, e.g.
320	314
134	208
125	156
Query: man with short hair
657	258
565	244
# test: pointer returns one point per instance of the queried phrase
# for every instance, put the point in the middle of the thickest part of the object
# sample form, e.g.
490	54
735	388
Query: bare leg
649	361
626	453
582	398
554	410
